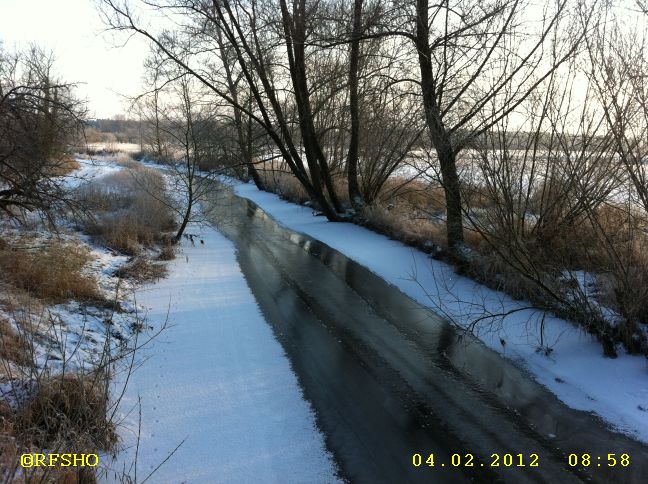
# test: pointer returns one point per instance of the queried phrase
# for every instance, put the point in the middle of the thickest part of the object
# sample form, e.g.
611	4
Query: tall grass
53	272
127	210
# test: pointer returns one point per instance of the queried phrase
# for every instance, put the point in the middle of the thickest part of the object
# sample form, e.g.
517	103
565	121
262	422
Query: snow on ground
615	389
217	381
91	168
70	336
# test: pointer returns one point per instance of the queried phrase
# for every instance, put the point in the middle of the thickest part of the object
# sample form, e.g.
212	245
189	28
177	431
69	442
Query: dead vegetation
67	412
399	223
63	414
142	269
57	411
53	272
43	411
285	185
14	347
167	252
128	210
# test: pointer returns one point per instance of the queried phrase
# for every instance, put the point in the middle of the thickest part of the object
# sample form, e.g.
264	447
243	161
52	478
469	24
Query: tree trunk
439	136
295	31
187	215
185	220
352	157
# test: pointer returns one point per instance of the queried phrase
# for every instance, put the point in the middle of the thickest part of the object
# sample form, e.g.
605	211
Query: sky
84	53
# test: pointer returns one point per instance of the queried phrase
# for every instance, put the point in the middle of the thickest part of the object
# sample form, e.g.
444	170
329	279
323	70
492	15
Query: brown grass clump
14	347
402	225
64	167
127	161
9	463
414	193
54	272
142	269
62	414
68	412
167	252
341	187
285	185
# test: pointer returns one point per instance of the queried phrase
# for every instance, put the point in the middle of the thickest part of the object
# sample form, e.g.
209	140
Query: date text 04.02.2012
468	460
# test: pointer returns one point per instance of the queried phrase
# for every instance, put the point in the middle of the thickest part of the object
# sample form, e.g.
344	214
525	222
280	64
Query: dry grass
413	193
63	414
64	167
127	161
14	347
167	252
402	225
142	269
53	272
285	185
67	412
129	210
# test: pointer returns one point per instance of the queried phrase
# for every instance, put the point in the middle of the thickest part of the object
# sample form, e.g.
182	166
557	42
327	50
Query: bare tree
185	124
619	70
39	118
297	70
478	62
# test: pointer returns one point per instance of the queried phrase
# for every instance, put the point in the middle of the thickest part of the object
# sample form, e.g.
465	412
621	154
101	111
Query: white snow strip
576	371
218	380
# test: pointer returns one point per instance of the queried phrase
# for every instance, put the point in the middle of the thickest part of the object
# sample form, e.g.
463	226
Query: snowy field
217	382
575	370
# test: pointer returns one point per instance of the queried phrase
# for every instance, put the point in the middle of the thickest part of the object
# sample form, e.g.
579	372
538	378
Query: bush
167	252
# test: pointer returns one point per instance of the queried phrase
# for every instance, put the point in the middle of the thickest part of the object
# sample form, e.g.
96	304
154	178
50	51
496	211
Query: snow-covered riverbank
217	381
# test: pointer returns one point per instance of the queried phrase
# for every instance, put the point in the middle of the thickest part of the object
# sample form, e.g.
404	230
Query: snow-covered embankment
217	380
